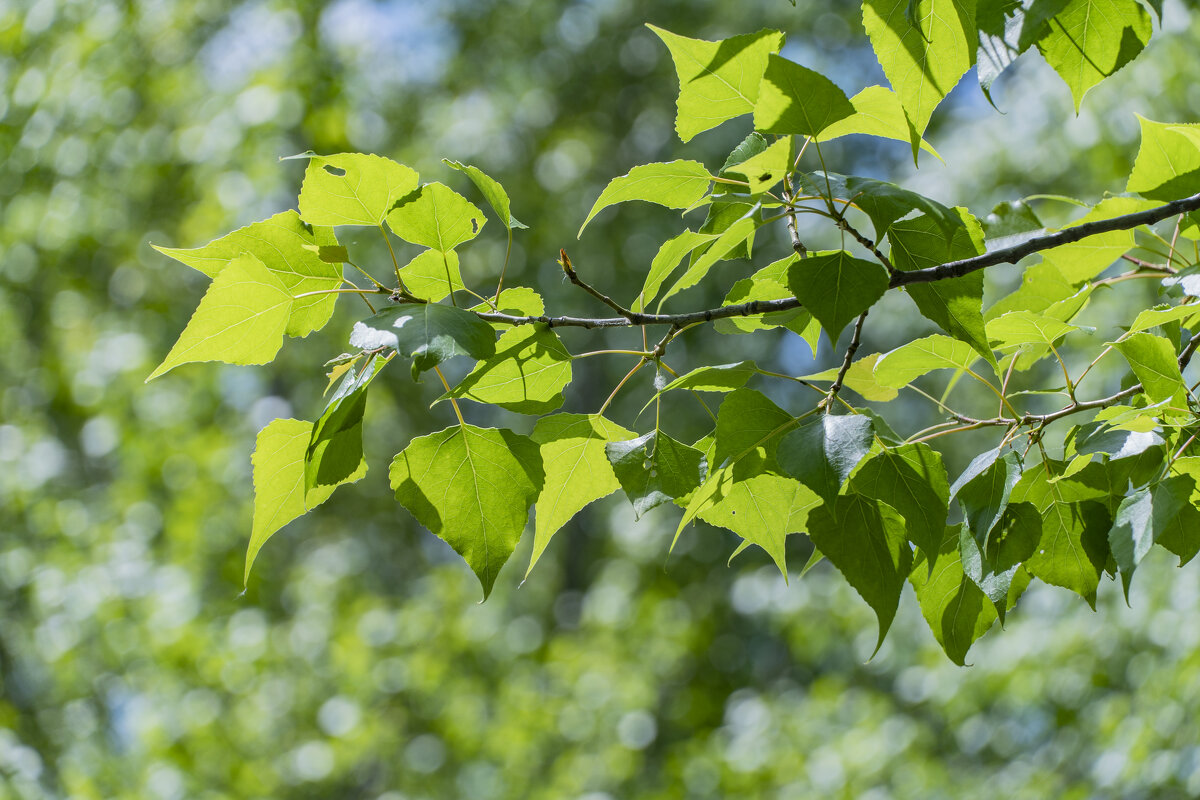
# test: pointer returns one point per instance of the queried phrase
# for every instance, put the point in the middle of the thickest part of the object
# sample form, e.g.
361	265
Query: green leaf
335	449
429	333
472	488
954	305
284	246
924	47
1153	361
996	569
240	320
577	471
527	374
1182	535
836	288
794	99
665	262
763	510
727	245
352	189
769	283
900	367
1168	162
1142	518
279	495
492	191
433	275
859	378
677	184
1011	223
1074	545
822	453
717	80
1042	285
751	146
654	469
764	170
436	217
1096	437
984	498
882	202
1153	317
1089	40
912	480
957	611
878	112
865	540
1021	328
519	301
746	422
714	378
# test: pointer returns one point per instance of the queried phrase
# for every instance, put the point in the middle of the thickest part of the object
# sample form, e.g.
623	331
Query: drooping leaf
912	480
714	378
865	540
472	488
1182	535
747	421
794	99
279	494
822	453
335	450
762	509
957	611
1089	40
954	305
1154	317
1074	545
1114	444
1168	161
240	320
677	184
284	246
717	80
900	367
577	471
428	332
751	146
433	275
654	469
836	288
985	497
352	189
727	245
666	260
996	568
492	191
437	217
1153	361
924	47
1143	518
527	373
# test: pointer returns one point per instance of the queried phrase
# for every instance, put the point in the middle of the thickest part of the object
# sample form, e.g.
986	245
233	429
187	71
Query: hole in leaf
332	170
474	225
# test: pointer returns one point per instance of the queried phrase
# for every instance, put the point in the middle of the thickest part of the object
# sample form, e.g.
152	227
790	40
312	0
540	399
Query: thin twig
565	263
867	243
855	340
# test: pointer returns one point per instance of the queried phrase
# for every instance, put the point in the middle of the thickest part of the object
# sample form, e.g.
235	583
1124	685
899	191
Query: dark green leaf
996	568
654	469
746	422
912	480
984	497
430	333
822	453
836	288
1143	518
882	202
335	449
957	611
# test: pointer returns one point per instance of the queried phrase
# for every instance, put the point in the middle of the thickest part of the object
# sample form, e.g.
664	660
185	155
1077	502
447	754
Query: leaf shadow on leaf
919	45
538	353
416	501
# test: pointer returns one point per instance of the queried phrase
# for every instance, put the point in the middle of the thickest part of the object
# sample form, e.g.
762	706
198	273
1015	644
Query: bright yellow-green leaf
877	112
900	367
1083	260
240	320
923	61
675	184
717	80
527	374
433	275
472	488
1089	40
352	189
291	251
1168	162
437	217
860	378
766	169
726	246
1153	361
492	191
794	99
1153	317
666	260
577	470
762	509
279	495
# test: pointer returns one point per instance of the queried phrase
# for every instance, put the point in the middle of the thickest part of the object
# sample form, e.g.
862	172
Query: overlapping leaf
352	189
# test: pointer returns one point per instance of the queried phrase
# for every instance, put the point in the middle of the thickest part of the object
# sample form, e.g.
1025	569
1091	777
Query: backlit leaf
795	100
352	189
677	184
527	373
436	217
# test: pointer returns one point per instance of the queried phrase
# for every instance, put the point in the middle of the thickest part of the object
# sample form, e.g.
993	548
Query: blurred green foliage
358	664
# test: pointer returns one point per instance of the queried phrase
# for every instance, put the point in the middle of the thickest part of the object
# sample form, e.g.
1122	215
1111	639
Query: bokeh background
359	663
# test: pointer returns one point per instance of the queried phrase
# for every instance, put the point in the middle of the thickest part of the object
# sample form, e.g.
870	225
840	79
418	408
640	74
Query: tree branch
855	340
1011	255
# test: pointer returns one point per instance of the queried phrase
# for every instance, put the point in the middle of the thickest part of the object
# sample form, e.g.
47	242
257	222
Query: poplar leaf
433	275
836	288
822	453
429	333
900	367
285	246
436	216
492	191
352	189
1089	40
795	99
763	510
279	494
577	471
717	80
335	449
956	610
240	320
764	170
882	202
1142	518
912	480
654	469
527	373
677	184
472	488
1168	161
666	260
878	112
1152	359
